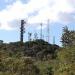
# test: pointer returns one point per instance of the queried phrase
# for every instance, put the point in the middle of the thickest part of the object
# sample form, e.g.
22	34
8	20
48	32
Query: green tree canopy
68	37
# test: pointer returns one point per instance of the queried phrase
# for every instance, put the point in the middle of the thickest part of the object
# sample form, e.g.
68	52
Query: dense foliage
68	37
66	61
38	57
20	59
37	49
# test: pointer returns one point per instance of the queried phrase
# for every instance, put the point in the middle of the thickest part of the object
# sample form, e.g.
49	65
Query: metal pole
41	31
48	32
22	30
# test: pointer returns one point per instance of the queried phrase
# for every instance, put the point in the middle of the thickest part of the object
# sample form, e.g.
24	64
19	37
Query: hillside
36	58
38	48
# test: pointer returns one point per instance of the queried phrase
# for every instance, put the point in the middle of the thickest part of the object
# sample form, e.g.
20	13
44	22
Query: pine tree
68	37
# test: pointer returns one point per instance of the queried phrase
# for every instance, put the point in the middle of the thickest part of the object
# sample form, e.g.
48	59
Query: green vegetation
66	61
68	37
38	58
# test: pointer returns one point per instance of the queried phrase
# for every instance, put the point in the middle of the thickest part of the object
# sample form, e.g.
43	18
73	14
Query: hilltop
37	48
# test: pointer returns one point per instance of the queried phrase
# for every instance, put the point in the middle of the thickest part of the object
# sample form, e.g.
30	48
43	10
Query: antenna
22	30
35	36
53	39
48	30
29	36
41	31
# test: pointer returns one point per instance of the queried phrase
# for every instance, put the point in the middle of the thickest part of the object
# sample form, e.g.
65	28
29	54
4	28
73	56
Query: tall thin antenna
35	36
29	36
41	31
22	30
48	32
53	39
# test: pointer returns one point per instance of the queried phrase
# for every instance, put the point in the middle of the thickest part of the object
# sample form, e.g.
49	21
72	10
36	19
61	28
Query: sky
60	13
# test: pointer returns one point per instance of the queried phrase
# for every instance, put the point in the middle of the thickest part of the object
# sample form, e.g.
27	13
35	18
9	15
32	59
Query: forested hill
37	48
38	57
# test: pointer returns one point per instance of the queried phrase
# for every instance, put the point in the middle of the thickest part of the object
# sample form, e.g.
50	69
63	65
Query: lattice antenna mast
48	31
22	30
41	31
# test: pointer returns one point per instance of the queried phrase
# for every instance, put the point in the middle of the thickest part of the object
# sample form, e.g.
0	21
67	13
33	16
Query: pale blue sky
59	12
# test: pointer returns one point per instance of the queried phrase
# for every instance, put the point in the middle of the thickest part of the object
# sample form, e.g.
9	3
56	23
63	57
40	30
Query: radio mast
35	36
48	31
22	30
53	39
29	36
41	31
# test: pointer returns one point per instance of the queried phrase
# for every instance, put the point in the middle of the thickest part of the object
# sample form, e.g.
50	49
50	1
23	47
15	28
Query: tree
68	37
